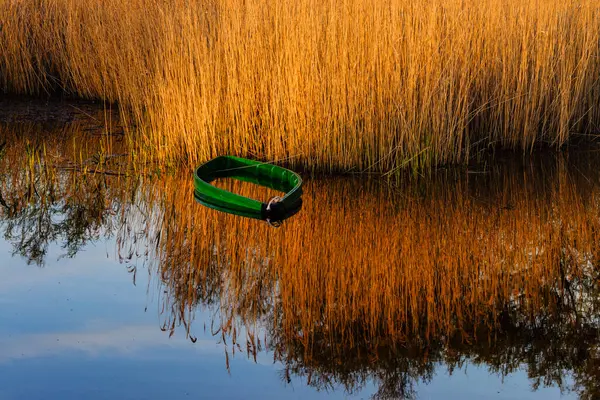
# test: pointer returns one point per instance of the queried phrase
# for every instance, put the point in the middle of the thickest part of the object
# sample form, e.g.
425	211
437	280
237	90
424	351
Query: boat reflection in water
374	281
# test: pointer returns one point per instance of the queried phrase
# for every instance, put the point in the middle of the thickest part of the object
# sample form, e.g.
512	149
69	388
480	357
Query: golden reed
357	85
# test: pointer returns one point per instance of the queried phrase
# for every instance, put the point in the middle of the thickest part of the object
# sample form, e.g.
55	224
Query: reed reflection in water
372	280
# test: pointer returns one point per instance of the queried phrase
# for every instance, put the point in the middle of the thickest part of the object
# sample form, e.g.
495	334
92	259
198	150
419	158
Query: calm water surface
471	284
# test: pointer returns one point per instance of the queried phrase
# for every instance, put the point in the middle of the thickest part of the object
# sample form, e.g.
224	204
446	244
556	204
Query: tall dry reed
331	86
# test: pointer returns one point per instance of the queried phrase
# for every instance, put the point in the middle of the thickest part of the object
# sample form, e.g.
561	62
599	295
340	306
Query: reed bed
358	85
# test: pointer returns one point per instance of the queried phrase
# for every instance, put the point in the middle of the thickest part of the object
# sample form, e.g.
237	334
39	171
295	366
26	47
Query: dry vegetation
331	86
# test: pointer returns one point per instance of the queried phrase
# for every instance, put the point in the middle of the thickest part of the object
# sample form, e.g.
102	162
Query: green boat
264	174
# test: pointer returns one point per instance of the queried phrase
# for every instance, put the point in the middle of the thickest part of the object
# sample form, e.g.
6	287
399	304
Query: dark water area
471	283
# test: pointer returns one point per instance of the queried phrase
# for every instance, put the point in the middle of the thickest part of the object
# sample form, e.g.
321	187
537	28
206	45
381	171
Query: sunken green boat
263	174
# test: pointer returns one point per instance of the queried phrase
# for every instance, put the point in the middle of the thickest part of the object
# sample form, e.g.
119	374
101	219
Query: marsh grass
361	85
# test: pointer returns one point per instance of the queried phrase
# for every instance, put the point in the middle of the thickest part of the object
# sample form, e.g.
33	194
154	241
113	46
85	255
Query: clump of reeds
360	85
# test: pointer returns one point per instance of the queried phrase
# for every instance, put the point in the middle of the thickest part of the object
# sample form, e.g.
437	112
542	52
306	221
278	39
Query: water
467	284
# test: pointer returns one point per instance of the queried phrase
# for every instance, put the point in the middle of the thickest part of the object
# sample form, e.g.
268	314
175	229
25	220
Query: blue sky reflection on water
79	328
